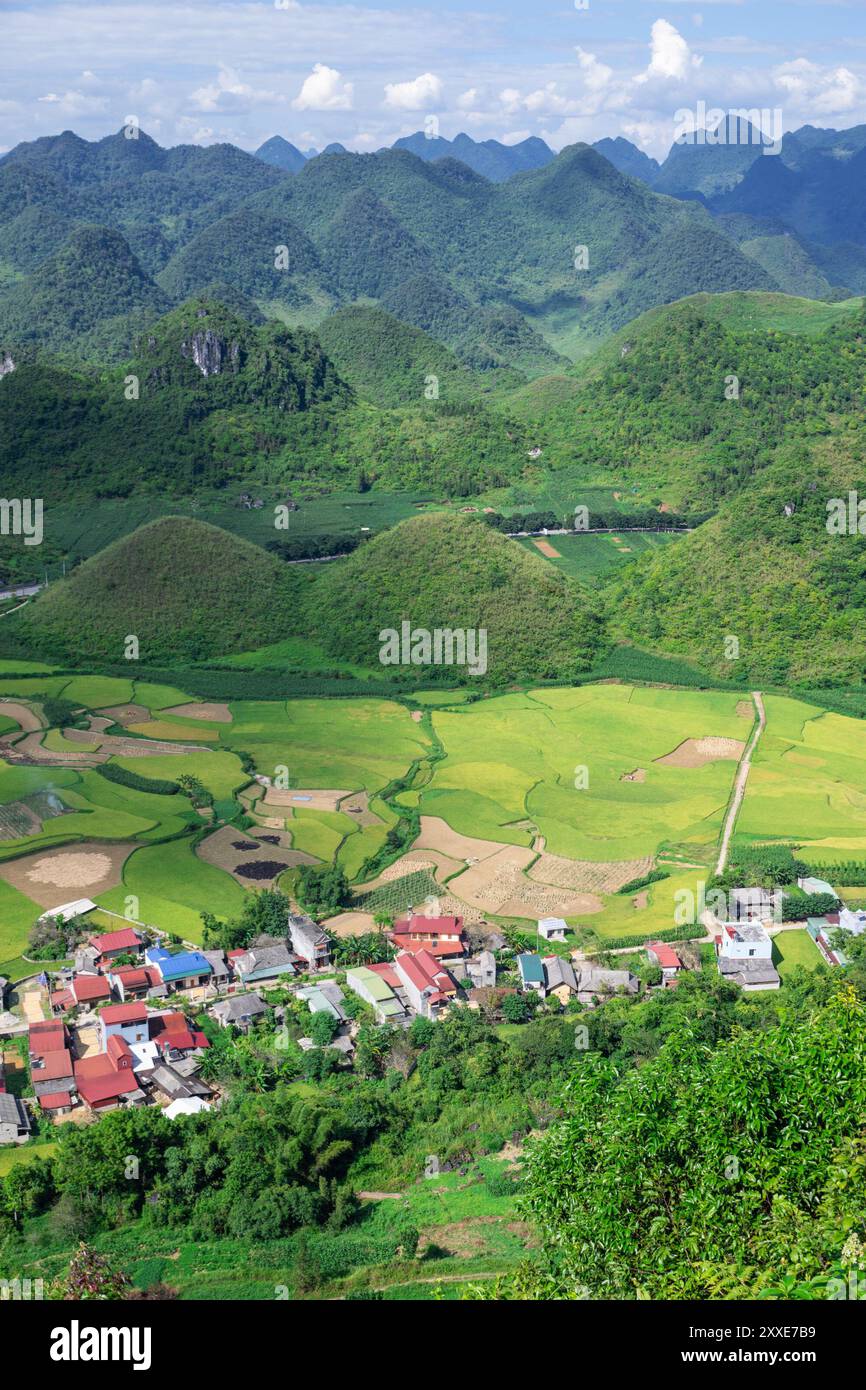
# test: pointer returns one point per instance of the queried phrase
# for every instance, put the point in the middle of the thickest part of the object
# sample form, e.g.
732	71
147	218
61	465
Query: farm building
531	970
559	978
136	982
482	972
184	970
51	1067
595	984
66	911
263	964
108	1079
552	928
240	1010
661	954
111	944
15	1123
324	998
744	952
376	992
428	985
309	942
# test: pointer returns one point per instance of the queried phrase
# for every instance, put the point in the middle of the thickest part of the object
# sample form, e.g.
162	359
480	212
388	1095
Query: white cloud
595	75
671	57
420	94
74	103
324	90
467	100
229	93
824	91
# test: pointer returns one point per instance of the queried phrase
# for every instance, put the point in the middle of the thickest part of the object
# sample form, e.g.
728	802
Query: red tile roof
174	1030
55	1100
428	926
86	987
388	974
54	1066
117	1048
441	949
62	999
666	955
123	940
47	1037
124	1013
426	973
136	976
96	1086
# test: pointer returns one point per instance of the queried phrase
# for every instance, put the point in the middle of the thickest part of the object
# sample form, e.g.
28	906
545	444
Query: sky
201	71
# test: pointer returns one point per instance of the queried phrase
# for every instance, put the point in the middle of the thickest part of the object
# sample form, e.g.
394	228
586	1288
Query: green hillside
389	362
183	588
443	571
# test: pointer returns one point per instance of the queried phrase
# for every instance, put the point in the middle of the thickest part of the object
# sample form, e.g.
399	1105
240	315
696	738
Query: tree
323	1027
515	1008
90	1276
322	891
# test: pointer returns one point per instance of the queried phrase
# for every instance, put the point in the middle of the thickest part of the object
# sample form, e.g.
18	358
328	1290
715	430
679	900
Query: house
263	964
110	945
441	936
325	998
15	1123
531	973
220	973
136	981
755	904
240	1010
51	1066
67	911
559	978
428	985
175	1035
90	989
86	959
127	1021
376	992
664	956
595	984
744	953
816	885
310	942
482	972
185	1105
174	1086
108	1079
552	928
184	970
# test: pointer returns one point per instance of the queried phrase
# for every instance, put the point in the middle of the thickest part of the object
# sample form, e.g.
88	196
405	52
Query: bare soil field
440	864
313	799
52	877
745	709
126	714
215	711
29	750
588	876
351	924
23	714
358	807
437	834
219	849
499	884
694	752
639	775
547	549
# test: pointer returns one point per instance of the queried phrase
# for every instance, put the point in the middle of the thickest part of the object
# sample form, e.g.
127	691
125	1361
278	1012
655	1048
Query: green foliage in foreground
709	1172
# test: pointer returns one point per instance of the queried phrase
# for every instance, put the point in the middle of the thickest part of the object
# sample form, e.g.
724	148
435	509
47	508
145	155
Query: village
128	1023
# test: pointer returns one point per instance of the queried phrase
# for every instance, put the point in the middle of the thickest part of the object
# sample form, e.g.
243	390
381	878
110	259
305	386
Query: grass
793	948
519	756
594	555
17	915
27	1153
173	887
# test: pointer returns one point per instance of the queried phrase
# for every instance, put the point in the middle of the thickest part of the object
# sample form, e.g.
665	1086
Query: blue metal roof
179	966
531	969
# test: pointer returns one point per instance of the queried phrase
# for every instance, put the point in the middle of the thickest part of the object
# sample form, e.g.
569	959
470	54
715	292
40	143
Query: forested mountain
282	154
626	157
490	158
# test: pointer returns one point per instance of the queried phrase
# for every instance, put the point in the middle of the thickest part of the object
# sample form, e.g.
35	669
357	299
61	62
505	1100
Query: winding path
740	783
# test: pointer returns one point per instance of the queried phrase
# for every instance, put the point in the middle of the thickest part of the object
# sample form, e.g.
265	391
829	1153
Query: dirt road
740	783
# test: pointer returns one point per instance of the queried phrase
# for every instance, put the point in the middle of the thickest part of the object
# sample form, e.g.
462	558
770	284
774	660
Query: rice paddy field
601	781
595	555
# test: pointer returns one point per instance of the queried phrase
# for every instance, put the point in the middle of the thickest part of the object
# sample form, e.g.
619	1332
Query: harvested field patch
498	884
55	876
745	709
547	549
225	851
259	869
358	807
639	775
441	866
641	899
309	798
115	745
214	711
126	714
588	876
694	752
30	750
351	924
437	834
164	729
22	714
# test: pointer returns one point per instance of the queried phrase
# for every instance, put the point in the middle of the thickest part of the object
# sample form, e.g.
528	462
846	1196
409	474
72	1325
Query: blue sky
241	70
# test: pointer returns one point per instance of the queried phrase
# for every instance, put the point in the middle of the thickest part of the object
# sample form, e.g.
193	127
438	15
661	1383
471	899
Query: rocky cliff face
6	363
211	353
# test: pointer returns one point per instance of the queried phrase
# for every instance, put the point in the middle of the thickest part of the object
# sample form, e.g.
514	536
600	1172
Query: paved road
740	784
